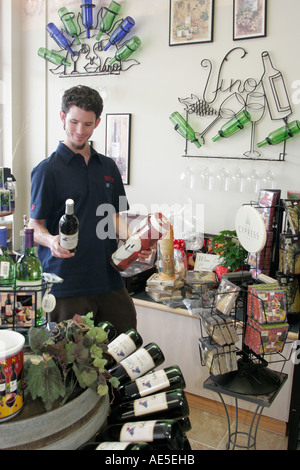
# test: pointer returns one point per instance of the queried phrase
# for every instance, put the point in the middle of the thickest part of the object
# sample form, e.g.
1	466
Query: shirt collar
67	154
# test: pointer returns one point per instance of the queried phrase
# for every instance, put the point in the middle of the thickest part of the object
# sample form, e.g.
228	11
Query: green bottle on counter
184	128
29	274
7	265
233	125
281	134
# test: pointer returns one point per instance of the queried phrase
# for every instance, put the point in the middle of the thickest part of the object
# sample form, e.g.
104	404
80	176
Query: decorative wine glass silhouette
228	108
255	105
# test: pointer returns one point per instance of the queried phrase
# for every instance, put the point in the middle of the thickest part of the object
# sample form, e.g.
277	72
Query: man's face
79	126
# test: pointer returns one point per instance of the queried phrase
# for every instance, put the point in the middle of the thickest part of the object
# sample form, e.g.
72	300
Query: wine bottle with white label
122	346
115	446
109	329
162	379
69	228
137	364
163	405
159	433
7	265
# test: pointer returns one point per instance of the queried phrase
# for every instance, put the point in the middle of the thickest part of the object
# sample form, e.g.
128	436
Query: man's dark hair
83	97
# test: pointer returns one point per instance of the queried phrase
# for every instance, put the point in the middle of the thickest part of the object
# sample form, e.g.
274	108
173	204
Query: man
76	171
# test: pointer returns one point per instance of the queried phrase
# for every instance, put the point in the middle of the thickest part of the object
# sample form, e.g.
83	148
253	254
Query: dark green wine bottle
138	363
158	433
162	379
168	405
122	346
281	134
233	125
115	446
109	329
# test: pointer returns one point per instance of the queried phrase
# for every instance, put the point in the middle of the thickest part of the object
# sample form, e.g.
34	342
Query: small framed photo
191	22
249	19
117	142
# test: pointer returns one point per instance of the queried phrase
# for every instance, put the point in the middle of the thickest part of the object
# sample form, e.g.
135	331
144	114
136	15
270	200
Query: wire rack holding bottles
25	306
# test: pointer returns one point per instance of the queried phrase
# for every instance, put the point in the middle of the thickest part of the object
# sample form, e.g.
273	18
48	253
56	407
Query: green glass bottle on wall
281	134
67	19
126	49
105	24
233	125
29	274
7	265
53	57
184	128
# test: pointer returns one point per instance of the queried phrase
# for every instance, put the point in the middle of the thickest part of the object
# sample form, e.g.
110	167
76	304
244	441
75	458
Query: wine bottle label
112	446
121	347
138	431
150	404
13	386
2	386
153	382
138	363
4	269
69	242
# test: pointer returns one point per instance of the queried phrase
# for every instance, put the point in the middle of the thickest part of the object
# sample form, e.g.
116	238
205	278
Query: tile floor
209	432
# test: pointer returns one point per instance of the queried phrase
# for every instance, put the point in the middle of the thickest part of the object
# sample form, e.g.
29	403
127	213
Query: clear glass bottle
7	265
184	128
29	274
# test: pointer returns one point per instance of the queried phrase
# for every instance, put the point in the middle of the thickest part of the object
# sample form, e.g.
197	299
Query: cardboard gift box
265	338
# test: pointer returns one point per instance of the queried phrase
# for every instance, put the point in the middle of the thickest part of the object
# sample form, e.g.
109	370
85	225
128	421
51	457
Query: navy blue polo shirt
98	192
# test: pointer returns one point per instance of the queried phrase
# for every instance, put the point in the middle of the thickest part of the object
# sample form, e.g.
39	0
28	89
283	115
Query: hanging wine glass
238	181
228	108
188	178
255	105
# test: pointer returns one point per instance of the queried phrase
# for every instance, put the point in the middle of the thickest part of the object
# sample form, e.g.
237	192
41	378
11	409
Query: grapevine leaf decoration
73	351
44	380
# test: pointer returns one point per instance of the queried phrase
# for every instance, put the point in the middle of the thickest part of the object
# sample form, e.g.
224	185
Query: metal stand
261	401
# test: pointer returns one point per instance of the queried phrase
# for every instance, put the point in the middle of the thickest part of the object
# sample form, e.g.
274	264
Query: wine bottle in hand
68	228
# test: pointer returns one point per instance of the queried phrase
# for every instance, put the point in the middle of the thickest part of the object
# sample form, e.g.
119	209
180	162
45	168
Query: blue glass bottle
87	15
59	38
120	32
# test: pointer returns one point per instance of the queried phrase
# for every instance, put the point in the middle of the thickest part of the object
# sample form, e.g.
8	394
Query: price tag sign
206	262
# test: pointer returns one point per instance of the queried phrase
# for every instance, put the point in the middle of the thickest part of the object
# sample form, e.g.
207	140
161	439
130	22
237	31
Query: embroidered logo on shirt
109	178
33	207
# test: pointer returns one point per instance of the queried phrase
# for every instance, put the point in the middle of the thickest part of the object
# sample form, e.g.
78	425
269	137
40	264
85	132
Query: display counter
177	332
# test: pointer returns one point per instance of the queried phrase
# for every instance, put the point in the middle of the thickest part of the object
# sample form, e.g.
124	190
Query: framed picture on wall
117	142
191	21
249	19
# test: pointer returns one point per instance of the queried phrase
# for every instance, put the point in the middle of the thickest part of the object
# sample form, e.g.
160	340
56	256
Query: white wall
150	92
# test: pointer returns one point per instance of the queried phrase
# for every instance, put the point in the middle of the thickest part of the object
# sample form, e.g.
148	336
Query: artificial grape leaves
45	381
